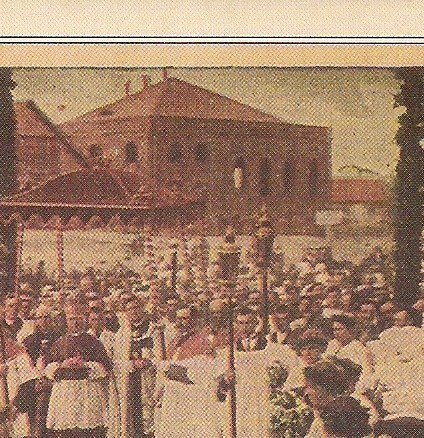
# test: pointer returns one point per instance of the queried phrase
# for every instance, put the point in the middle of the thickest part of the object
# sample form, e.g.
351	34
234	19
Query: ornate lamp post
228	264
263	249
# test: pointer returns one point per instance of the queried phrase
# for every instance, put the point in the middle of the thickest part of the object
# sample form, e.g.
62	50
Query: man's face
133	311
310	355
246	324
184	320
95	321
367	312
75	320
281	319
44	323
11	307
402	319
341	332
26	306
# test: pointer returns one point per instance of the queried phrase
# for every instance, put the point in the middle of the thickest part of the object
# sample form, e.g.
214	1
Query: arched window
202	152
289	174
175	153
239	172
95	151
313	179
265	177
131	153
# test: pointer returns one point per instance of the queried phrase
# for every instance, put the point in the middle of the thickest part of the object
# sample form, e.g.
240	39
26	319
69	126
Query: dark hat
178	373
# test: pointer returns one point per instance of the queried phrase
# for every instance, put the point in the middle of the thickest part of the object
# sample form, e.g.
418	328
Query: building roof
358	191
31	121
172	98
98	192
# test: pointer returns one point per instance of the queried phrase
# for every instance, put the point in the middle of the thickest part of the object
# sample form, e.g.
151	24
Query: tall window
202	152
313	179
289	174
131	153
265	177
175	153
239	172
95	151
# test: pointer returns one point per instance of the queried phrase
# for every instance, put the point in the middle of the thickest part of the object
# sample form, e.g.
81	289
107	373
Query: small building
234	156
42	150
365	204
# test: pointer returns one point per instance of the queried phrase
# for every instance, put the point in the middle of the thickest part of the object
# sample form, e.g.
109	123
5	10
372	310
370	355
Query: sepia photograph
197	251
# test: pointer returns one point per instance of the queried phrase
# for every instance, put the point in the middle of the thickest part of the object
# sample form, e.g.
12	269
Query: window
202	152
175	153
95	151
239	172
313	179
289	176
131	153
264	177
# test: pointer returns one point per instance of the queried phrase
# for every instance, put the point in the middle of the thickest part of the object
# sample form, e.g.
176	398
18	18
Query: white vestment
191	410
399	370
78	403
252	394
20	371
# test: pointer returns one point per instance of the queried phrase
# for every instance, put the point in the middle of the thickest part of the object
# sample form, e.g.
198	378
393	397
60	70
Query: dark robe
13	328
37	345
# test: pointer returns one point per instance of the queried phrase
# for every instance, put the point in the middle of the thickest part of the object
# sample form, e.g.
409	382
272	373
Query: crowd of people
125	354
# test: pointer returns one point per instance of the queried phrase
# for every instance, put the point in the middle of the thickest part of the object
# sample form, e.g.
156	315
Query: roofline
276	120
58	133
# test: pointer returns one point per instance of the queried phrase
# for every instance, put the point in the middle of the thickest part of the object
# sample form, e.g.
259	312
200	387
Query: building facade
236	157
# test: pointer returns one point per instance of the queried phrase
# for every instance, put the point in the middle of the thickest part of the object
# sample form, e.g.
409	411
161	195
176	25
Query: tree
408	186
8	177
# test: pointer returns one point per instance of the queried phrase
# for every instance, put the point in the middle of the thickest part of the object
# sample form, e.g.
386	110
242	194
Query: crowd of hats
183	274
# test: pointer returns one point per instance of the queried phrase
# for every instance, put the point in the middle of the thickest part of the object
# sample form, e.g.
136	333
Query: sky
356	103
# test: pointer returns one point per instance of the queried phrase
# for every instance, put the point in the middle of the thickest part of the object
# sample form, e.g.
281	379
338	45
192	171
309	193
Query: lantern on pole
228	266
263	249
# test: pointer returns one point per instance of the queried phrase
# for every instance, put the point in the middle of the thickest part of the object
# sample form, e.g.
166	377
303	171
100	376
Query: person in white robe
187	403
399	372
19	371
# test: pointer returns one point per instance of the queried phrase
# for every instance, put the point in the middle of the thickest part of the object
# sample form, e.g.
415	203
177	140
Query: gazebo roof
97	197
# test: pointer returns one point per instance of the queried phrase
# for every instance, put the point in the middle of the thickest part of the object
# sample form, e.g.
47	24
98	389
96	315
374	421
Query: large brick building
237	157
42	150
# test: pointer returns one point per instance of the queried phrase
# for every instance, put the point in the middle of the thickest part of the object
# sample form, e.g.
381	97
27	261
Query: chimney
164	74
146	81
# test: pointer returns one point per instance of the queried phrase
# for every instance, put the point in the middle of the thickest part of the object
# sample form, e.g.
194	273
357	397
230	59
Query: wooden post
59	252
231	369
263	283
4	390
19	250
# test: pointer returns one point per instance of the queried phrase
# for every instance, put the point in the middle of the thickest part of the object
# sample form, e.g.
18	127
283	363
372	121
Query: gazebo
86	199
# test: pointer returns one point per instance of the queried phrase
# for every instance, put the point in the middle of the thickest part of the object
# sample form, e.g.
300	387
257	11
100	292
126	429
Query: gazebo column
19	251
59	254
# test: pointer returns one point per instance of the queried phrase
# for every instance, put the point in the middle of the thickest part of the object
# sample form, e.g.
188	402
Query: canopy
95	198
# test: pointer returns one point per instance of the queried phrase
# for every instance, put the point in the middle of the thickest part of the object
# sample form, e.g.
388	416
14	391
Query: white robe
399	370
252	394
78	403
191	411
20	370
